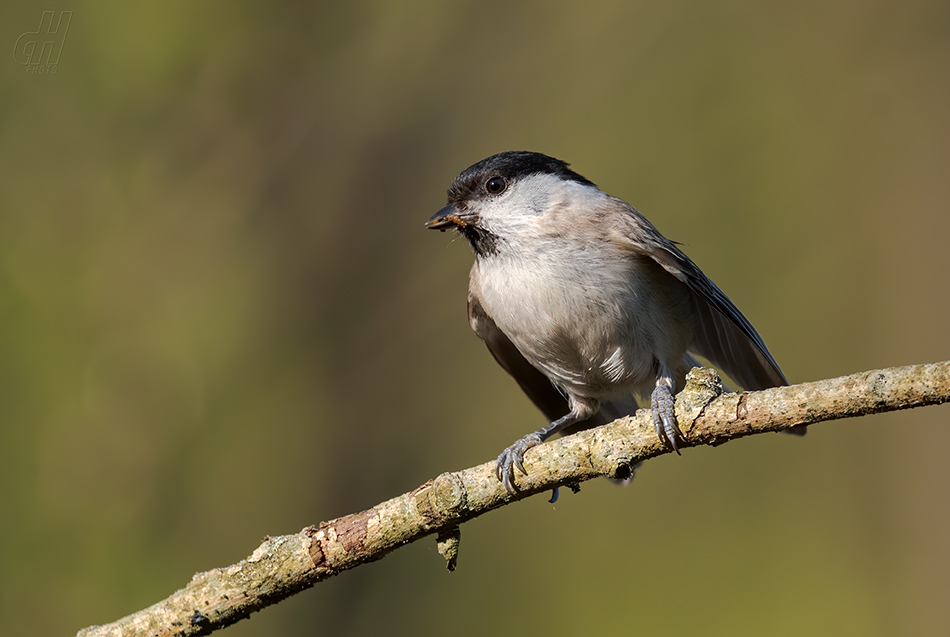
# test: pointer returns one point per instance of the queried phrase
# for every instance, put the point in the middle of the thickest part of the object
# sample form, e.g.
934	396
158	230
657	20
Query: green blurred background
221	316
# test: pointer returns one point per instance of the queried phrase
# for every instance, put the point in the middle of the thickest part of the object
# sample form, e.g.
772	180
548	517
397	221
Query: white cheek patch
520	209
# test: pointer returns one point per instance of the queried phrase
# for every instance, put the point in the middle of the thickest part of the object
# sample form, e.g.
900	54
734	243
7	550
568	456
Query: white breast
575	299
594	325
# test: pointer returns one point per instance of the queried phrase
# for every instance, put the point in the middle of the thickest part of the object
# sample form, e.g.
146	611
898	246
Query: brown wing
723	335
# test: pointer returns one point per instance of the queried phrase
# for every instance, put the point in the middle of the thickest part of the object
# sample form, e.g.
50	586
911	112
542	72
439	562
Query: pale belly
590	333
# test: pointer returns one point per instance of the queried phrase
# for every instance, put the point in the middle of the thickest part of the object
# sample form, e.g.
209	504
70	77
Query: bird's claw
664	418
513	457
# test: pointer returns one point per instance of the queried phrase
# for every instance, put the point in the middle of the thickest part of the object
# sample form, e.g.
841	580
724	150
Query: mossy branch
282	566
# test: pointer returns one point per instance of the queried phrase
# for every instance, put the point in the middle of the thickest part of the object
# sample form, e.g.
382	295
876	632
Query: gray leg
513	456
661	405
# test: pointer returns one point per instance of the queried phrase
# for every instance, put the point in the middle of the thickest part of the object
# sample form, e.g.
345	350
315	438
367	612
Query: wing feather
722	334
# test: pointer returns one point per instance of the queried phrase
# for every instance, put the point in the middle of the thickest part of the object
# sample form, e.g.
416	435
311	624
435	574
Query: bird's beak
445	219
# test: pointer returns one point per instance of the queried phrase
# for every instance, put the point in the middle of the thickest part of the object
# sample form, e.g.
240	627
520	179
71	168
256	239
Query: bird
582	300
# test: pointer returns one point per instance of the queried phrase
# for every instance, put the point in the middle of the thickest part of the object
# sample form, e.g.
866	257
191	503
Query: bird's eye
496	185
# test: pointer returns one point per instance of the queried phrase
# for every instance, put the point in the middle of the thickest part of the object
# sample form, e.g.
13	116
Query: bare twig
282	566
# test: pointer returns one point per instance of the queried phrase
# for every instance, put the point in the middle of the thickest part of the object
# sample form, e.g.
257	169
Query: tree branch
282	566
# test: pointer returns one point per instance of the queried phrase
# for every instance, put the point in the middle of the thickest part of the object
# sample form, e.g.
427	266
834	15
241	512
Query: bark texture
282	566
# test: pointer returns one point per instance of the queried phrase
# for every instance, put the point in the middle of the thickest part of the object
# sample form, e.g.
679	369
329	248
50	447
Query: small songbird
585	303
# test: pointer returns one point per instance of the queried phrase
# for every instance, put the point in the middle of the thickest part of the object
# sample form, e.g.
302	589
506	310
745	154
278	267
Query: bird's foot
513	457
664	419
